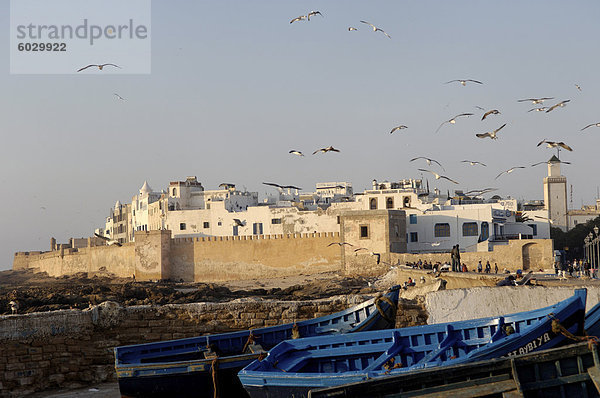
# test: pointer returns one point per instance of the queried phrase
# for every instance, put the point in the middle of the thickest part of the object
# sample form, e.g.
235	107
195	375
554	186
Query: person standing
495	268
453	257
479	267
488	267
457	258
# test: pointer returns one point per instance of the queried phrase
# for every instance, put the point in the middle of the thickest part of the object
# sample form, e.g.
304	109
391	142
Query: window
389	203
174	191
182	226
485	231
219	223
338	219
534	228
257	228
414	236
406	201
206	224
276	221
373	204
364	231
441	230
412	218
470	229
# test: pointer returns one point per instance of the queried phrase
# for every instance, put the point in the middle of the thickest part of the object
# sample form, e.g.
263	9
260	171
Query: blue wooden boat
294	367
592	321
195	366
564	372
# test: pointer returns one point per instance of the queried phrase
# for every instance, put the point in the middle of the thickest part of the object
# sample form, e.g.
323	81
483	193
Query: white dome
145	188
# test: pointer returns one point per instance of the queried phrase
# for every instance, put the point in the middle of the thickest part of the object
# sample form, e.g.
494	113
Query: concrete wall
73	348
462	304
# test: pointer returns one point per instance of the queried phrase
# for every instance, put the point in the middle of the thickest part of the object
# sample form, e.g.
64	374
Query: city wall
524	254
154	255
74	348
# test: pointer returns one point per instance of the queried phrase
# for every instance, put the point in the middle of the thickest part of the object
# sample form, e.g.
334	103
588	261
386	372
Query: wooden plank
473	391
471	388
594	373
512	394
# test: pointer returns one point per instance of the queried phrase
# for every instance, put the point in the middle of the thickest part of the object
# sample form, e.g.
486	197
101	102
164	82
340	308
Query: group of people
575	268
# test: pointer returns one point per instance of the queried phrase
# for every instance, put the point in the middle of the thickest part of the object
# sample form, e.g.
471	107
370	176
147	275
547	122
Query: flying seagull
553	144
438	176
578	87
295	152
453	120
119	97
464	82
375	28
313	13
328	149
561	104
239	223
590	125
351	28
272	184
542	109
478	192
492	112
291	187
398	128
473	162
99	66
429	161
547	162
340	244
300	18
491	134
535	101
108	241
509	171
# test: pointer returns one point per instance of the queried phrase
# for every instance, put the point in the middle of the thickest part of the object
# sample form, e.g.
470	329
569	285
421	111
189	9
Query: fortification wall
73	348
247	257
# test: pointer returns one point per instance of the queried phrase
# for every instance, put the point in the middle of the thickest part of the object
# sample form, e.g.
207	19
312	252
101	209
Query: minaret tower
555	194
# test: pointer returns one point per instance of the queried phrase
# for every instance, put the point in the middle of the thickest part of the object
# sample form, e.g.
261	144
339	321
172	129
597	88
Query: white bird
99	66
535	101
491	134
473	162
239	223
351	28
491	112
479	192
464	81
375	28
453	120
561	104
590	125
398	128
509	171
340	244
325	150
553	144
438	176
429	161
542	109
547	162
544	218
578	87
119	97
300	18
295	152
313	13
108	241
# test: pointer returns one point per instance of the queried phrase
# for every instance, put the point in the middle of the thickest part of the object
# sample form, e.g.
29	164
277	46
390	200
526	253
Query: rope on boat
385	316
213	366
390	365
248	342
295	331
558	328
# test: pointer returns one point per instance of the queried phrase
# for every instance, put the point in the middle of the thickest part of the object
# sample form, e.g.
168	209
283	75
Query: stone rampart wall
73	348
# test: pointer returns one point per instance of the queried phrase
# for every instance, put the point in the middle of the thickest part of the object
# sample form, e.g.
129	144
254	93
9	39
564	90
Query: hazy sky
234	86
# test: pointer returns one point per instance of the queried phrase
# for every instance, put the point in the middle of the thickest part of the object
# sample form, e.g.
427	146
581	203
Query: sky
234	87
